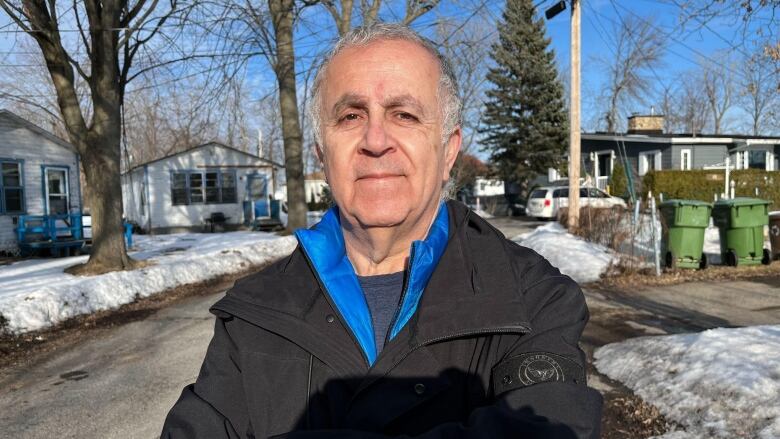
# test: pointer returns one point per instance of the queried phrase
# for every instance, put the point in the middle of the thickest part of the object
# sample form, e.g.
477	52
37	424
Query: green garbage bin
684	223
741	224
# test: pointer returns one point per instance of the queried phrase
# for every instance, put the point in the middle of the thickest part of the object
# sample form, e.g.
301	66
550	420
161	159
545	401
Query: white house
39	175
181	191
314	183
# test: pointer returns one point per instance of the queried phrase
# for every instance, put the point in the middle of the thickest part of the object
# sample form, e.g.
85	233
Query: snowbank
581	260
720	383
37	293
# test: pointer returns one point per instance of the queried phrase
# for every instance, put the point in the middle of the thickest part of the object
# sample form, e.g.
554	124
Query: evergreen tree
525	123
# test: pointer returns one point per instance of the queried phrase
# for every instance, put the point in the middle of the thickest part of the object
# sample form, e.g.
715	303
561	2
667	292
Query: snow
581	260
720	383
36	293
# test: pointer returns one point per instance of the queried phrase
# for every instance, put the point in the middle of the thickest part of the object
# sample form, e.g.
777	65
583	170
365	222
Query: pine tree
525	123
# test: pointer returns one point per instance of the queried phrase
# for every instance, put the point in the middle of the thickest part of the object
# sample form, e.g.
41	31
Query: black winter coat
492	352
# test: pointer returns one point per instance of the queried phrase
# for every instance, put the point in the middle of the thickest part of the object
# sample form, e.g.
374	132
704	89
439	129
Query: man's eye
350	116
407	116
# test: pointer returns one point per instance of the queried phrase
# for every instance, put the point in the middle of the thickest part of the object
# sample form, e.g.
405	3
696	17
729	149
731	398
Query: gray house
645	147
39	175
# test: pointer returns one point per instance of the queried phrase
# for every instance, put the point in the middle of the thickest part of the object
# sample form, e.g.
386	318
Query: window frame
686	165
22	190
219	187
45	182
656	154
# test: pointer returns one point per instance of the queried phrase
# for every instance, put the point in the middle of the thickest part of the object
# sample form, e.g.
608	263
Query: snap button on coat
329	318
419	388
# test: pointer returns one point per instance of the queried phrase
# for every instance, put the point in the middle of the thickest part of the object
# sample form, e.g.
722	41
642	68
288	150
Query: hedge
704	185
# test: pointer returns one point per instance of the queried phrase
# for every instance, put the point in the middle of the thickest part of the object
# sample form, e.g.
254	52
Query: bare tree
759	92
717	82
342	11
637	49
692	107
111	33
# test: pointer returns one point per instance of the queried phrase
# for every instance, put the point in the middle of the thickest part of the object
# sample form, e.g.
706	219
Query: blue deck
36	232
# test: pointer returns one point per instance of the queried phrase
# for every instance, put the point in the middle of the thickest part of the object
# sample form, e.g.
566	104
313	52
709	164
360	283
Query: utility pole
574	120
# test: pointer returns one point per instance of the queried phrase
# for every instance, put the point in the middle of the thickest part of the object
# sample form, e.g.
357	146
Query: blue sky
685	46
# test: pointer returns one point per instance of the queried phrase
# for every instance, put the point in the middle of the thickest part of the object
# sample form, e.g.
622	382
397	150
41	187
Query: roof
221	145
681	138
36	129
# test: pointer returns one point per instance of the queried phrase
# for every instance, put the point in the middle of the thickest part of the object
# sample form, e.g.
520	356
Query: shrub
705	185
618	182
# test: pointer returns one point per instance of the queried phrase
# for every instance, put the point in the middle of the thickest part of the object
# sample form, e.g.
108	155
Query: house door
56	191
257	188
603	169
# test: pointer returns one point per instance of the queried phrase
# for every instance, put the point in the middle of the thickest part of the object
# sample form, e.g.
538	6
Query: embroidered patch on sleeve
533	368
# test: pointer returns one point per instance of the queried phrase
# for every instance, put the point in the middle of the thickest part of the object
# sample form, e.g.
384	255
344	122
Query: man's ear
451	150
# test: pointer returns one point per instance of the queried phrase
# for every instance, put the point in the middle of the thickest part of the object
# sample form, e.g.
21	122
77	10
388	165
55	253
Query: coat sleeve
213	406
564	409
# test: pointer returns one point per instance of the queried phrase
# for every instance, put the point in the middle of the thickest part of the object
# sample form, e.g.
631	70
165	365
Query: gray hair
448	94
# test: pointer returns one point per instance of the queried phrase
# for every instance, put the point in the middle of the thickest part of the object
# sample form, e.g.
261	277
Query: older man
398	314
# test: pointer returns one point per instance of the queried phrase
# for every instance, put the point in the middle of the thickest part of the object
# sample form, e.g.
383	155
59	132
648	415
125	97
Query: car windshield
539	193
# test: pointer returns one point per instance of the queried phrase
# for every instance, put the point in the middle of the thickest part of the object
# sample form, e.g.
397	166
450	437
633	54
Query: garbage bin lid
677	203
741	201
774	214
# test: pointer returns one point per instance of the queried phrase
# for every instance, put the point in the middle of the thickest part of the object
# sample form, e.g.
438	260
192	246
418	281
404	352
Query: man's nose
377	142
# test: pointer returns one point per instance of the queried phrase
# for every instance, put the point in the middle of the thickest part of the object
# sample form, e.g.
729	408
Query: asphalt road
121	383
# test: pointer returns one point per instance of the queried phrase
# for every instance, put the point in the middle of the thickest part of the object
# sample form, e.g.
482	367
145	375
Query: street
121	383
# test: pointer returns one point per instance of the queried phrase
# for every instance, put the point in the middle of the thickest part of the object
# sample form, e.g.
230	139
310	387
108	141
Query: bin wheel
703	262
731	259
671	261
767	259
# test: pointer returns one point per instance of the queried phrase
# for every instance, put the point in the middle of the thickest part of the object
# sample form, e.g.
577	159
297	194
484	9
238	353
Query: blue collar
323	244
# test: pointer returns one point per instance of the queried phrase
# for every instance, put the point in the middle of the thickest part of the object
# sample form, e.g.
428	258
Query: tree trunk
282	14
101	170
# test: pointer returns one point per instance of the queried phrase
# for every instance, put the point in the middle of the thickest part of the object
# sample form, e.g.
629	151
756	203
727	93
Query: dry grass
646	277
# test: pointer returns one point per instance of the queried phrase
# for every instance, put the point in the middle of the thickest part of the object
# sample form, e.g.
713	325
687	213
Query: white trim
46	170
686	164
643	161
596	155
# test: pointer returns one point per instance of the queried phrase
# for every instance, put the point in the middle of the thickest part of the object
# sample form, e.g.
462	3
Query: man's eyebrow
404	100
349	100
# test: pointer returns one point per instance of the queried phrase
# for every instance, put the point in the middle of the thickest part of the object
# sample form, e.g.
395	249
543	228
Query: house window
649	161
212	187
685	160
56	191
228	187
11	187
756	159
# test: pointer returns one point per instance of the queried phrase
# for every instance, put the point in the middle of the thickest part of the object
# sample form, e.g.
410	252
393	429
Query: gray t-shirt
383	294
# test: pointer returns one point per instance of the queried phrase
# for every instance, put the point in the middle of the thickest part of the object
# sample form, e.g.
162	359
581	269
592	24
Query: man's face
383	152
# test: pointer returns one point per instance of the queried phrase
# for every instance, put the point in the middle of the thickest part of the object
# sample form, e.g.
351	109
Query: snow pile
720	383
37	293
581	260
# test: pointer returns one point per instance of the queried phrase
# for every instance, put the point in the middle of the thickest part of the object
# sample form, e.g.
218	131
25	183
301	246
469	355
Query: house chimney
646	124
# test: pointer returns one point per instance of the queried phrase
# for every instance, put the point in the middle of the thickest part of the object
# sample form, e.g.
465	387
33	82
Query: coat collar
324	247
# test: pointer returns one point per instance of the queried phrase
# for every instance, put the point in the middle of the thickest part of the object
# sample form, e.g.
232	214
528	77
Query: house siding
701	155
164	216
19	142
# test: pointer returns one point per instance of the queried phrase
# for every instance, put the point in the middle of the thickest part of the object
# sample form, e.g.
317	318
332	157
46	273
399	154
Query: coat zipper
401	301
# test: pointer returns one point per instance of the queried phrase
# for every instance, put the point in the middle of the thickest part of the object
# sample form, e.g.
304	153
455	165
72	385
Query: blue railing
44	228
33	228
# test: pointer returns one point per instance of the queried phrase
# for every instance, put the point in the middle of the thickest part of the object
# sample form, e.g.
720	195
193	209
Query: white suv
544	202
